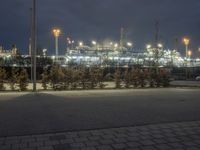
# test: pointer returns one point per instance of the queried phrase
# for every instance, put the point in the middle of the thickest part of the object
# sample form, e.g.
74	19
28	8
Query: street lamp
160	45
189	53
56	33
129	44
94	42
186	41
34	43
116	45
80	44
148	46
44	52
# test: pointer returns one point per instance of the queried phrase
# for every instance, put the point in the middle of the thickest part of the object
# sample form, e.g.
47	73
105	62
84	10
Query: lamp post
189	53
148	46
160	45
186	42
33	43
130	45
56	33
94	43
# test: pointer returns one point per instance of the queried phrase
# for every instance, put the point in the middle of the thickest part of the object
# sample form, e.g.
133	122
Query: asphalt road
28	113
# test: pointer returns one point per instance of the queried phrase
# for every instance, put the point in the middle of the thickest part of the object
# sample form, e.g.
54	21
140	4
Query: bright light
94	42
80	43
186	41
116	45
8	56
199	49
53	57
129	44
111	43
160	45
190	53
44	50
56	32
148	46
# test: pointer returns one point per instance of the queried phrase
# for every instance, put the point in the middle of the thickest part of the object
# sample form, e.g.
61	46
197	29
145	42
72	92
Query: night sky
101	19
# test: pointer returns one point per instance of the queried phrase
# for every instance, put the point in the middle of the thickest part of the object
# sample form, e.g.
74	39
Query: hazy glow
129	44
160	45
56	32
148	46
94	42
80	43
186	41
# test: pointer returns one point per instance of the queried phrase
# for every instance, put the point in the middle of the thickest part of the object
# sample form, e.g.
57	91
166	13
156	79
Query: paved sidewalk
171	136
184	83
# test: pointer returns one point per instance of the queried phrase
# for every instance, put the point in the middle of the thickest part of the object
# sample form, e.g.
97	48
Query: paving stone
119	146
147	142
82	139
94	138
57	137
20	146
145	137
173	139
158	136
176	136
12	141
104	147
77	145
148	148
133	144
107	141
30	148
109	137
163	147
132	149
185	138
91	143
197	142
159	141
133	138
89	148
5	147
71	135
84	133
176	145
61	146
97	133
120	140
120	135
50	143
193	148
66	141
45	148
30	139
190	143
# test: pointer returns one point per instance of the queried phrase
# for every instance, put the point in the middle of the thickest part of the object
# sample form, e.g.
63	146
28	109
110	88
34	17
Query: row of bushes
95	77
70	78
16	79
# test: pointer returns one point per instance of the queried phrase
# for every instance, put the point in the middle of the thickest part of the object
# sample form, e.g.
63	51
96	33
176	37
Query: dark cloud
100	19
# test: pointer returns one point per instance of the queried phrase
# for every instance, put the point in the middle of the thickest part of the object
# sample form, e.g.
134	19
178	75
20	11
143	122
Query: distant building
11	52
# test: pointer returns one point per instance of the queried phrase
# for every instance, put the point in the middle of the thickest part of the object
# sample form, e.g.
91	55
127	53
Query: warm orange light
186	41
190	53
56	32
